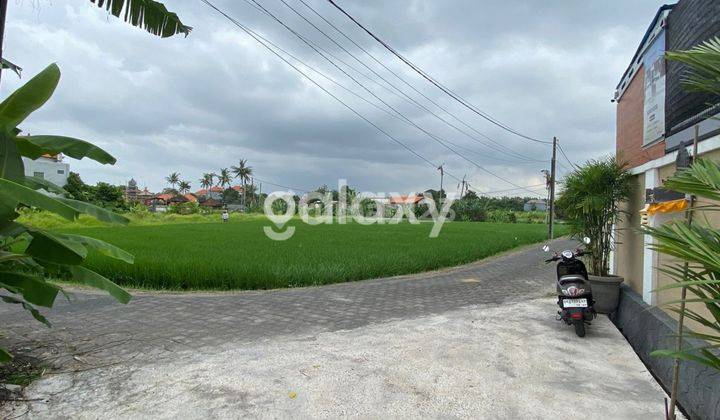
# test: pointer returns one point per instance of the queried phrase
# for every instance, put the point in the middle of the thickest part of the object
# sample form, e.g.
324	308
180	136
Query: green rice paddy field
238	255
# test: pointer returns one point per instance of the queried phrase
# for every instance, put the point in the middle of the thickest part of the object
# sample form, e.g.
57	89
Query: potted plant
590	203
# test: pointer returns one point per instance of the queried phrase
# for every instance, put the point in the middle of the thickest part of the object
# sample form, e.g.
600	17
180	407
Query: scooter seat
571	278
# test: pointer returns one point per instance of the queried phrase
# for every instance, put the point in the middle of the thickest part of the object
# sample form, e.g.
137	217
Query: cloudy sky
200	103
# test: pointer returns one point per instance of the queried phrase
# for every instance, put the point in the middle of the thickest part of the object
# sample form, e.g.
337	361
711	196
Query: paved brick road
154	324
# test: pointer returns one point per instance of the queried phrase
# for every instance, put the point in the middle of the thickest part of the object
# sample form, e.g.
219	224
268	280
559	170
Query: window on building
61	171
40	175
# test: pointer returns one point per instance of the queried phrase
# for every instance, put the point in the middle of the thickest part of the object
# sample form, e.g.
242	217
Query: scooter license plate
575	303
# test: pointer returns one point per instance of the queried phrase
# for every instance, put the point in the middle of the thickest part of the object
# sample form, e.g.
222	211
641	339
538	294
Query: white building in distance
49	168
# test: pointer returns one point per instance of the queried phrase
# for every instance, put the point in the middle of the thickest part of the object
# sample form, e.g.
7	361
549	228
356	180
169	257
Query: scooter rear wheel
579	327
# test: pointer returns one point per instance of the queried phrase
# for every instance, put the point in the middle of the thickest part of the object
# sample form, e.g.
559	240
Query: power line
350	91
437	84
405	96
341	32
432	136
562	152
510	189
388	135
280	185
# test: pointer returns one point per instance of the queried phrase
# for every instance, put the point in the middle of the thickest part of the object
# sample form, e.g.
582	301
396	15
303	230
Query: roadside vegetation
237	255
47	220
30	256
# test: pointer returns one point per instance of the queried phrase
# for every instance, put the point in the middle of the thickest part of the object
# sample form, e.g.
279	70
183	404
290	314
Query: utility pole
252	188
442	173
552	189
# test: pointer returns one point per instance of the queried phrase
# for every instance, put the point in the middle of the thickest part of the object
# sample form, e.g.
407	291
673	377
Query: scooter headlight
567	254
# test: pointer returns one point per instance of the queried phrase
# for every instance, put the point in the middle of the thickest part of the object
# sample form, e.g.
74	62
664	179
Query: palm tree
173	179
704	62
207	181
224	177
184	187
244	172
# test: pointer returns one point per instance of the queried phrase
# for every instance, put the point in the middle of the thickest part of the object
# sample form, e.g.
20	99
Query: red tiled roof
191	198
406	199
164	197
212	189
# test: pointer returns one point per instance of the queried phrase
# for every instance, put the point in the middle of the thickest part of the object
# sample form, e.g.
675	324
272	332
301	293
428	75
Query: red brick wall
628	144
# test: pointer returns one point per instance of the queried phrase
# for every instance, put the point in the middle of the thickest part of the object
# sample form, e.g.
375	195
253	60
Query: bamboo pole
683	295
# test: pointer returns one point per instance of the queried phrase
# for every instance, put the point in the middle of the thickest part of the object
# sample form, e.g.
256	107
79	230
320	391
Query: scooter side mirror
546	248
586	240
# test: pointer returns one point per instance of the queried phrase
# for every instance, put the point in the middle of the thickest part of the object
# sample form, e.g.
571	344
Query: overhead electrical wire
499	147
410	85
350	91
562	152
432	136
436	83
325	54
280	185
506	190
351	109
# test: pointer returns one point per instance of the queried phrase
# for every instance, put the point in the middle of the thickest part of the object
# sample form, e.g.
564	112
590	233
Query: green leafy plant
173	179
704	62
699	246
244	172
150	15
29	256
590	203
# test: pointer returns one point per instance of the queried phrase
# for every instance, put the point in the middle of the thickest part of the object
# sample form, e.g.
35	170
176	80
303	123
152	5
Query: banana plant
150	15
29	257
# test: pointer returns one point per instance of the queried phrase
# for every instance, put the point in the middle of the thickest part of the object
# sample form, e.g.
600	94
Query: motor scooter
574	292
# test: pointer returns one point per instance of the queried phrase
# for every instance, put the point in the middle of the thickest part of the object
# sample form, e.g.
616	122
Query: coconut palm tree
207	181
184	187
244	172
224	177
173	179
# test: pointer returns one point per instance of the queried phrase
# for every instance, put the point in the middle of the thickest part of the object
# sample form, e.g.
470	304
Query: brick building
656	116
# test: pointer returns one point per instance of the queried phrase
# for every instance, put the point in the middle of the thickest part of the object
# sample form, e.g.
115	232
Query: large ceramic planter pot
606	292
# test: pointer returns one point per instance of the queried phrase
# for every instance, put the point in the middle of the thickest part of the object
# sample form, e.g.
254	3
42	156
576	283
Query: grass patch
237	255
47	220
21	370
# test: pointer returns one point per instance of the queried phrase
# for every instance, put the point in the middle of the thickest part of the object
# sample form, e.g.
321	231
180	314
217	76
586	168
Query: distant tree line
102	194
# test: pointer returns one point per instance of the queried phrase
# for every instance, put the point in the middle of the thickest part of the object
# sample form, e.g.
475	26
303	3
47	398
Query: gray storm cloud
200	103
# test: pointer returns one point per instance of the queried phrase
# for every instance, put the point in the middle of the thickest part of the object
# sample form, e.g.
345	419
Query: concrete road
475	341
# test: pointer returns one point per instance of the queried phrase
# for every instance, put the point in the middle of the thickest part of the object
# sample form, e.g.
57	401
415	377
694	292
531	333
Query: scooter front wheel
579	327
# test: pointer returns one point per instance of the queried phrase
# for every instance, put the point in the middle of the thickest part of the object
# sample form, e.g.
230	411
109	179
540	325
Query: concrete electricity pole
463	186
551	219
442	174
